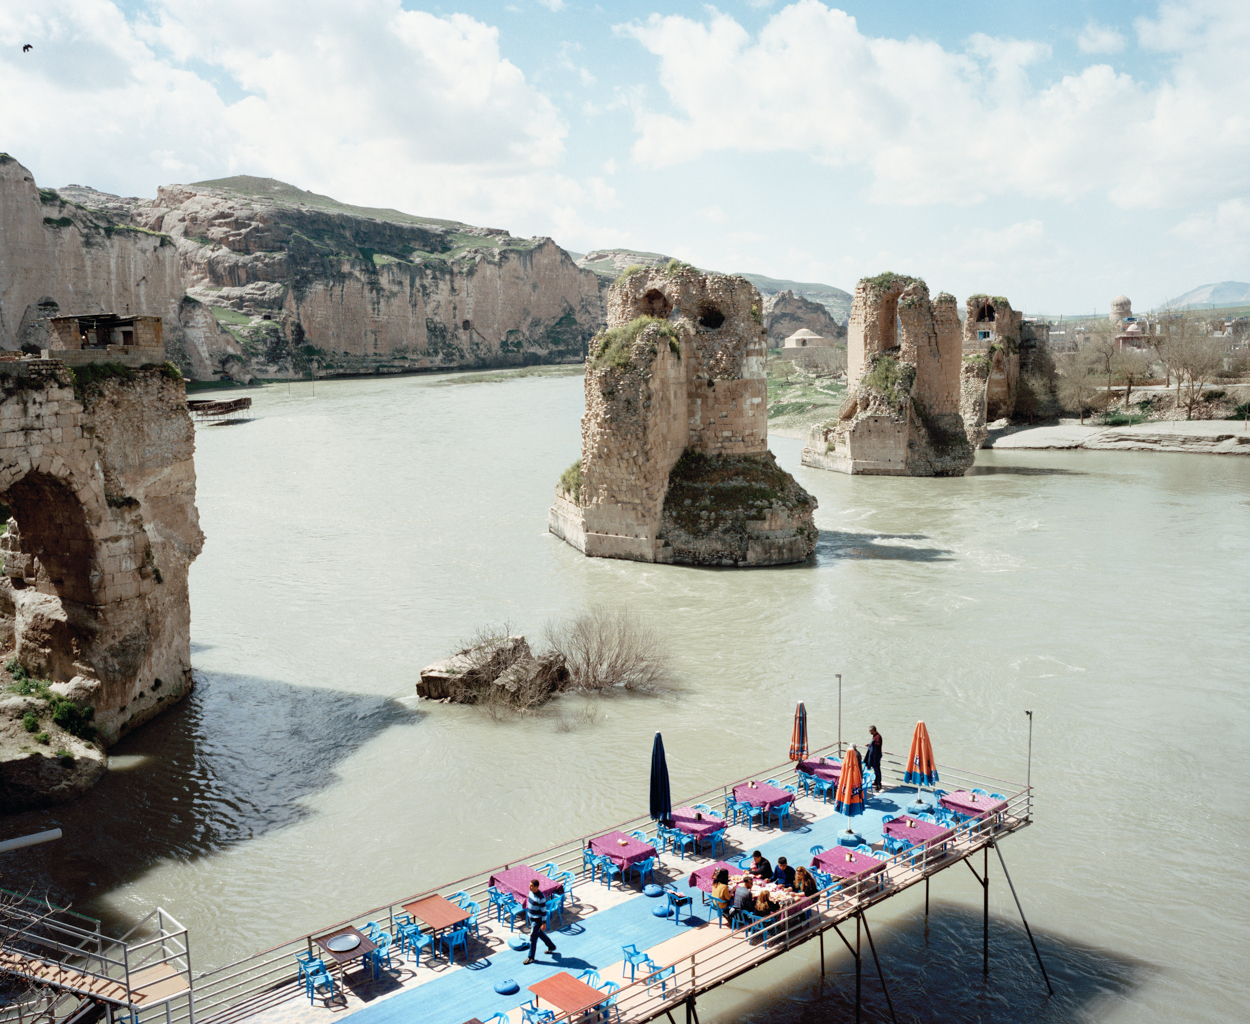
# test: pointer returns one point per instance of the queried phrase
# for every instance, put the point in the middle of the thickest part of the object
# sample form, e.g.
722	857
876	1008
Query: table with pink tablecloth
685	819
917	832
972	805
622	854
829	771
516	880
702	879
761	795
836	862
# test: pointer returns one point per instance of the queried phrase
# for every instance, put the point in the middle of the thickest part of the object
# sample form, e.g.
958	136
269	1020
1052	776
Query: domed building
1121	308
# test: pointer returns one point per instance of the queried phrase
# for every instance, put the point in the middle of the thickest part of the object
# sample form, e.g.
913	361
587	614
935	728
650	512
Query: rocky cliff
254	277
58	256
785	313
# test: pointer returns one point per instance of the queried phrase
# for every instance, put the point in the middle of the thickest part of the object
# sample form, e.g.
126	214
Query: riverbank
1211	437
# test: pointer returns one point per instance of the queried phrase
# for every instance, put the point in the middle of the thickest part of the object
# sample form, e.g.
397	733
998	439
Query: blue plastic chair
413	939
927	817
590	859
676	900
451	939
804	780
612	990
460	897
997	796
318	979
732	809
782	813
555	906
752	814
308	961
499	1018
716	840
817	849
566	879
680	841
531	1014
380	955
608	870
705	808
979	792
870	780
474	909
824	787
551	869
661	978
774	782
644	868
636	959
721	908
590	977
510	905
642	837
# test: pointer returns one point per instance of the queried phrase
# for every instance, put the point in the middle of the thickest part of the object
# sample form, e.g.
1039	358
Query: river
358	530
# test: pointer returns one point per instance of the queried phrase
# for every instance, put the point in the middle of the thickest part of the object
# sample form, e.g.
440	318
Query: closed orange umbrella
798	738
849	797
921	768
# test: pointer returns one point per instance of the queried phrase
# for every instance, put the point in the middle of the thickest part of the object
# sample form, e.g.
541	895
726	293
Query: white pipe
31	840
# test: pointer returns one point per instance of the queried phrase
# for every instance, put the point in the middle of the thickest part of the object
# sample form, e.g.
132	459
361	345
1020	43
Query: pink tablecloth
834	862
622	855
684	819
702	878
972	805
763	795
829	772
915	831
516	880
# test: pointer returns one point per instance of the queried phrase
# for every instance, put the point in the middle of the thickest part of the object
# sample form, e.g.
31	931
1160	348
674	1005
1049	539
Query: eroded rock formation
675	464
785	313
901	416
94	587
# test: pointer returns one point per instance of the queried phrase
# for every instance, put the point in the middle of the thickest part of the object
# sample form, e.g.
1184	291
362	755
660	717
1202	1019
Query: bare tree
1077	387
1199	357
604	650
1129	366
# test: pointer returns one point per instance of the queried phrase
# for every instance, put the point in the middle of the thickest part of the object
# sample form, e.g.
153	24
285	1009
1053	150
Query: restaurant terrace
638	934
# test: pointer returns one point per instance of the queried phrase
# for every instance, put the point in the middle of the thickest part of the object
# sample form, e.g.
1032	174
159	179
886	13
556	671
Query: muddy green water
358	530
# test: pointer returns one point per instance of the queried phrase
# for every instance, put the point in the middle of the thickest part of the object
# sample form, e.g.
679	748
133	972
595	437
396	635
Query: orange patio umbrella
849	797
798	738
921	768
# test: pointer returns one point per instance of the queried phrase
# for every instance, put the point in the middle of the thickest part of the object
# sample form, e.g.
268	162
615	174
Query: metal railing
237	989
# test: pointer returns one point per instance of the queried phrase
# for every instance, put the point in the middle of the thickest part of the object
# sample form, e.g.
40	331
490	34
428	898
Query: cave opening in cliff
710	317
986	313
655	303
52	526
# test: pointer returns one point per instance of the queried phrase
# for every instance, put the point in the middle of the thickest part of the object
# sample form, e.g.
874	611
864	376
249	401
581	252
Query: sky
1057	153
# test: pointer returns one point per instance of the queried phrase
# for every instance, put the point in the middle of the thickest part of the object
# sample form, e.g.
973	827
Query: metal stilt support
880	973
1027	930
926	895
985	923
858	972
822	954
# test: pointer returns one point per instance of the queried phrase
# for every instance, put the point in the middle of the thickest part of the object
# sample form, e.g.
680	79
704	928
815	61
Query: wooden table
438	914
567	994
365	947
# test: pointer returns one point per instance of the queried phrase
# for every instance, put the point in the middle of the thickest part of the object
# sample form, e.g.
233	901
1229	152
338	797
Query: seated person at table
744	899
764	904
720	886
784	875
760	866
805	883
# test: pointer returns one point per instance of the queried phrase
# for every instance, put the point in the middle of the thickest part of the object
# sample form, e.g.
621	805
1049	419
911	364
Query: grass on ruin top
70	716
613	347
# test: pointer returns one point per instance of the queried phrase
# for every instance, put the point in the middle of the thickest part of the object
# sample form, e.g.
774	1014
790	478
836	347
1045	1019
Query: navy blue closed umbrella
661	798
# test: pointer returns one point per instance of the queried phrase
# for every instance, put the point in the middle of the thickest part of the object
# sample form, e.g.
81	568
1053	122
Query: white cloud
1095	38
713	215
554	6
1226	230
936	125
368	102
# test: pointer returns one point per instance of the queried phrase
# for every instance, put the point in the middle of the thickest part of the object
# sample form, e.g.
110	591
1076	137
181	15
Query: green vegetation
676	266
1240	412
88	378
42	737
884	282
713	492
890	378
227	315
74	719
50	196
65	757
615	345
571	480
121	501
59	222
628	272
1122	419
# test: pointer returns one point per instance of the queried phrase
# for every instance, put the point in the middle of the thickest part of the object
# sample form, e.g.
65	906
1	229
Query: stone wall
902	413
992	328
680	372
102	491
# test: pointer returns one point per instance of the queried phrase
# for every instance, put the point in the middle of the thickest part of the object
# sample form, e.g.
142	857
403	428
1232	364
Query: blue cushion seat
506	987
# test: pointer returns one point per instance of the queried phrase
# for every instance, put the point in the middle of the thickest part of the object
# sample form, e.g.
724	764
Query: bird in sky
27	47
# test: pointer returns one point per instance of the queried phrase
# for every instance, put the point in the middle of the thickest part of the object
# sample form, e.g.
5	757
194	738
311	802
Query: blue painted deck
595	941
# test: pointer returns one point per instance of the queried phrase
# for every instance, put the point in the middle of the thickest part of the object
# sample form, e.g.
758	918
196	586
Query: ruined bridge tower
675	463
901	416
101	487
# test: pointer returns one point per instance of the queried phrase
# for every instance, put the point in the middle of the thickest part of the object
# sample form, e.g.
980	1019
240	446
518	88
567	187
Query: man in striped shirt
536	915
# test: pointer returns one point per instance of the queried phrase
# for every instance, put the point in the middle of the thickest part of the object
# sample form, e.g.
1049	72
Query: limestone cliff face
785	313
59	255
315	288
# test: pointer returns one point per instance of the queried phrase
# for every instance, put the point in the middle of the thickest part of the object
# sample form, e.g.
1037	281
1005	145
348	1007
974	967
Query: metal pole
822	954
839	714
985	934
858	971
926	895
880	973
30	840
1028	778
1027	930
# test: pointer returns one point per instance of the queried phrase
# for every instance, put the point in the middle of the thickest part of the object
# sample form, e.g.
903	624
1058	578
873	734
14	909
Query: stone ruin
675	463
100	481
902	413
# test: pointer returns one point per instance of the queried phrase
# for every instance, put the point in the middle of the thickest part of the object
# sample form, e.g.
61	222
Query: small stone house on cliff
106	337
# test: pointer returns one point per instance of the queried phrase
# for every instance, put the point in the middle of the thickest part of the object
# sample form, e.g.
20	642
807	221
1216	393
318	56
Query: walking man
536	915
872	755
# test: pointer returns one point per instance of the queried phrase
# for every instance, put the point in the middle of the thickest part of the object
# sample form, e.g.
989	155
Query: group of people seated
761	903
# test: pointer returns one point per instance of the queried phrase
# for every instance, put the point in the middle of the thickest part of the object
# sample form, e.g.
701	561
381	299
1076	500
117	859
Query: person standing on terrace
872	755
536	915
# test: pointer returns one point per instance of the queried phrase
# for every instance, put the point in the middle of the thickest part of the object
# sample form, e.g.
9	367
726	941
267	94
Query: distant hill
610	262
1226	293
